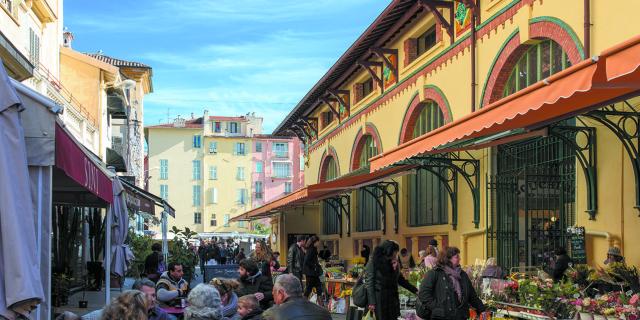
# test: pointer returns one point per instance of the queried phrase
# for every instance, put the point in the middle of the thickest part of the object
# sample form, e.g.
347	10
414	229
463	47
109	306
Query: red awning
578	89
324	190
79	166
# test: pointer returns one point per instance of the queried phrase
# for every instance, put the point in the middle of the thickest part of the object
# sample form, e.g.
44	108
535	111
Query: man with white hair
290	304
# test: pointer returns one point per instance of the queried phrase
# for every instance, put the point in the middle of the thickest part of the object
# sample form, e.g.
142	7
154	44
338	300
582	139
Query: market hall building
493	126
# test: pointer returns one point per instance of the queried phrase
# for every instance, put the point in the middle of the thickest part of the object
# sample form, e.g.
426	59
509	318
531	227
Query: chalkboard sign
228	271
577	245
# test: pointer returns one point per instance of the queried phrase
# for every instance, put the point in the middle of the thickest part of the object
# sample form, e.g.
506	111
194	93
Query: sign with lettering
77	165
577	245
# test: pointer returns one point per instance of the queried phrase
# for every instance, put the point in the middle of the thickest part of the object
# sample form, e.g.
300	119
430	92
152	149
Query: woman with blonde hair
431	260
130	305
262	256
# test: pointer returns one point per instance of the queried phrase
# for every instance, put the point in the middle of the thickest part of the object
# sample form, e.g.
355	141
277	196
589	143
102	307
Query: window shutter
358	90
410	50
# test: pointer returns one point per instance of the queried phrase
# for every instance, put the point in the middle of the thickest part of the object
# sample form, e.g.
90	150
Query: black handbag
359	293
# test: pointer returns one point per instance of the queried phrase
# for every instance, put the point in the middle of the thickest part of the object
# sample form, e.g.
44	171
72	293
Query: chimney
67	38
205	120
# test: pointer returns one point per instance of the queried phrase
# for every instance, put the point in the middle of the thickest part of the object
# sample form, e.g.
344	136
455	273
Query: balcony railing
281	154
62	95
259	195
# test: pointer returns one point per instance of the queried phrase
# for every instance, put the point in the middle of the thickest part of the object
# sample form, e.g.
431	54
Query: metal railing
63	94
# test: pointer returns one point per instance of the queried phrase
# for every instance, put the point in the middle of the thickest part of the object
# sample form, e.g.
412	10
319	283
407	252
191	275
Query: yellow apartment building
204	167
485	125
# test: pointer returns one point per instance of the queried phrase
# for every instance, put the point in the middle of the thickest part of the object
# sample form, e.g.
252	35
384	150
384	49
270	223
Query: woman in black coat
446	292
311	267
382	279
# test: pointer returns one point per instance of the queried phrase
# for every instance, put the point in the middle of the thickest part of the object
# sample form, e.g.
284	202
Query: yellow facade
447	68
175	145
227	183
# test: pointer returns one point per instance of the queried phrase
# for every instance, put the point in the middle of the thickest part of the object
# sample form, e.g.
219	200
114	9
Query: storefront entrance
532	201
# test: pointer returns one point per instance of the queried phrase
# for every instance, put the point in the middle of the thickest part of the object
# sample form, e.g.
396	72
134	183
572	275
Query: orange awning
324	190
578	89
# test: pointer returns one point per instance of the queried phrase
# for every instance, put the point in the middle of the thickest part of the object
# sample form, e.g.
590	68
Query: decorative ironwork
467	168
387	191
341	205
582	140
531	200
623	120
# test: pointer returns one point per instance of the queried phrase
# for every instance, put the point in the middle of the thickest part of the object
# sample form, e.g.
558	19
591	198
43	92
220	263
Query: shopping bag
359	294
369	316
313	298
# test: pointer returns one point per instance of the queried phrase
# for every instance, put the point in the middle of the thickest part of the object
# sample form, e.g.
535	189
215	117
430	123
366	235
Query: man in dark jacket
295	258
287	294
253	282
437	294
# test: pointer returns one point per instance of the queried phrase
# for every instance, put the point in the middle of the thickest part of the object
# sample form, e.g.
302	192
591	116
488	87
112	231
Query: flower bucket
599	317
586	316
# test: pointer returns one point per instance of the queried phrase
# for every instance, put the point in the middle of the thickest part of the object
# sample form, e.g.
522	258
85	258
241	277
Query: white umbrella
120	253
20	281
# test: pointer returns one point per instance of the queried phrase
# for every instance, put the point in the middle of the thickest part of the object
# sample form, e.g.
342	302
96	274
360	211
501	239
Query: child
249	308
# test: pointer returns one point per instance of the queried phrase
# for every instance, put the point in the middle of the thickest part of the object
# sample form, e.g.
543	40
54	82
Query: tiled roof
117	62
189	124
377	33
270	136
227	118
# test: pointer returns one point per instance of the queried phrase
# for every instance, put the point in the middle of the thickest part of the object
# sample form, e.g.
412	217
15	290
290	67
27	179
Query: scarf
456	278
230	309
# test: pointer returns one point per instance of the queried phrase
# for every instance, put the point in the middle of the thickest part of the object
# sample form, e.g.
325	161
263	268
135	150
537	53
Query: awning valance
81	167
324	190
581	88
141	200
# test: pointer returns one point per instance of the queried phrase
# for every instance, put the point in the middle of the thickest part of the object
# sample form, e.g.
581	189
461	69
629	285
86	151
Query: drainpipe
473	56
603	234
587	29
463	242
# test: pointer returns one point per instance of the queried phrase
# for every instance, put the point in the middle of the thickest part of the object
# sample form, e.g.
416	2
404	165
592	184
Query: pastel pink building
278	168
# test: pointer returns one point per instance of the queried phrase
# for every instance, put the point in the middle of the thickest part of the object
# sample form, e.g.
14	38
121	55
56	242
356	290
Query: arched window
329	169
428	198
538	62
369	213
368	149
429	118
331	223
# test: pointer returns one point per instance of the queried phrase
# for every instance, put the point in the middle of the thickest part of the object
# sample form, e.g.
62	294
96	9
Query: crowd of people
446	291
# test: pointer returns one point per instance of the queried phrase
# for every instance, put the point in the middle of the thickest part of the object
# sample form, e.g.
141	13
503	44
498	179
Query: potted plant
60	283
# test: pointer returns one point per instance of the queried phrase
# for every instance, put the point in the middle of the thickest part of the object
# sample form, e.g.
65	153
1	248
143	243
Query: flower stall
586	293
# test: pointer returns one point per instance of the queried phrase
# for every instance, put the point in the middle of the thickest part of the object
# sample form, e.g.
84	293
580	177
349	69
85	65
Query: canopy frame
388	191
342	206
467	168
587	157
615	119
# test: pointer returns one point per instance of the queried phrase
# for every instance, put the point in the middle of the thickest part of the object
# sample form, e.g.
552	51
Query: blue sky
228	56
